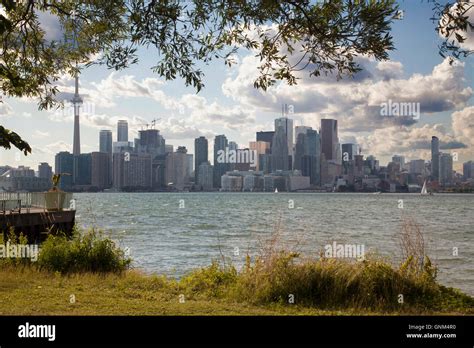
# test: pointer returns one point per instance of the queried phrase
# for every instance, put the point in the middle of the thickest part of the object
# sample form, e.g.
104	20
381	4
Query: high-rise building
100	170
329	139
349	151
280	158
417	166
299	130
105	141
220	144
266	136
82	169
122	130
287	125
64	165
435	158
45	171
206	172
399	159
445	168
261	148
468	170
301	149
313	143
132	171
200	155
177	170
150	141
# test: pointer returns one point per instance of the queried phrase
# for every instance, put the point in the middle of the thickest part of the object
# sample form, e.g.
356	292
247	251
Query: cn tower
76	101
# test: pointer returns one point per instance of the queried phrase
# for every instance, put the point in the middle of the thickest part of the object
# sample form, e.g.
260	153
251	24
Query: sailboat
424	191
276	190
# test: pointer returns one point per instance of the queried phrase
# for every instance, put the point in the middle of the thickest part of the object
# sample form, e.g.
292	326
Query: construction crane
152	124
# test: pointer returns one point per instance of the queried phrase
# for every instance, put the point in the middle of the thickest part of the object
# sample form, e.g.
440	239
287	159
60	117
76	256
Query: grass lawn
28	291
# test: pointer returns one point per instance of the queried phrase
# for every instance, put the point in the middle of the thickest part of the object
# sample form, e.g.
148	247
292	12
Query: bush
334	284
85	252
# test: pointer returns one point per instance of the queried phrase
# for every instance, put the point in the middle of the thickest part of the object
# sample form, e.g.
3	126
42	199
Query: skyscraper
265	136
206	174
445	171
64	165
122	130
83	169
435	158
105	141
299	130
220	144
100	170
76	102
468	170
329	139
45	171
280	158
287	125
301	149
200	155
177	169
349	151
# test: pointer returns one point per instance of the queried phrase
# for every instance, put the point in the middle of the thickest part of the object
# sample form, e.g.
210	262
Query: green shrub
85	252
335	283
13	239
209	281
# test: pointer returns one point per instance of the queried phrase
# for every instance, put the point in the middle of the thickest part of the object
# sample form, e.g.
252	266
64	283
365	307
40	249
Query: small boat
424	190
276	190
377	193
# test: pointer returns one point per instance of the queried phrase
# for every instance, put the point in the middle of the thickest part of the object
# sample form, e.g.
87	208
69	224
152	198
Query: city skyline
229	104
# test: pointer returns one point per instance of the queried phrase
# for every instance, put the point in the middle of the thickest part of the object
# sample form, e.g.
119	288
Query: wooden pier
26	214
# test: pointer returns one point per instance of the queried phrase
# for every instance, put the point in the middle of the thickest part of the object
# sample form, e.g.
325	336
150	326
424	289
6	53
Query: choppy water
174	232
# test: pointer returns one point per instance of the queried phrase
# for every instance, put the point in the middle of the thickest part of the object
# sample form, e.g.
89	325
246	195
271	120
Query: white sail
424	191
276	190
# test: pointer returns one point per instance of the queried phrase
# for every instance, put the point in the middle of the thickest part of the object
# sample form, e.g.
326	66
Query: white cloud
40	135
356	102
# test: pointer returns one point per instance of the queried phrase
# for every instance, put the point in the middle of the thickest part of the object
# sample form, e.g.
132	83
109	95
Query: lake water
173	233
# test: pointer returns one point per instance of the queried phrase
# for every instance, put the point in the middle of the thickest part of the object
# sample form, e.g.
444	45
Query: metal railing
16	202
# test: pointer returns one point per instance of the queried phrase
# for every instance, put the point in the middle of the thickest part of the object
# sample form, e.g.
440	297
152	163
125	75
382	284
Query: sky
230	105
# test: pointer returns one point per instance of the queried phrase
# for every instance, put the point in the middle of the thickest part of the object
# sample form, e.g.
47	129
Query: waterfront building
349	150
400	160
301	149
260	148
122	131
100	170
177	169
200	155
280	159
220	144
105	141
301	130
82	169
45	171
417	166
205	176
287	125
64	165
468	170
23	179
265	136
231	183
329	139
132	171
435	158
445	169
